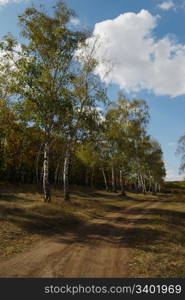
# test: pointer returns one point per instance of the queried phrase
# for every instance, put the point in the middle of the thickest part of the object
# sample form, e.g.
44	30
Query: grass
160	250
156	242
175	186
24	218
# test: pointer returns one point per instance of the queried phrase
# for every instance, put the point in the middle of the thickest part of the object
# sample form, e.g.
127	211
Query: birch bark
46	187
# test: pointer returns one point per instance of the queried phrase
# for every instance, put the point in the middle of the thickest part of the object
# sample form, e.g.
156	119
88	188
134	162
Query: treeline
181	152
56	123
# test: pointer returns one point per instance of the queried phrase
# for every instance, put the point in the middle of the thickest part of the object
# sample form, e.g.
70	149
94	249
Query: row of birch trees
57	125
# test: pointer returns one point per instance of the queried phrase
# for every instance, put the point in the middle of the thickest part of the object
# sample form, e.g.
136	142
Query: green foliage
181	152
53	96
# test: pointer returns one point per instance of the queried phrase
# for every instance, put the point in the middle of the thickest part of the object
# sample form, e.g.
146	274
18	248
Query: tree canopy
57	125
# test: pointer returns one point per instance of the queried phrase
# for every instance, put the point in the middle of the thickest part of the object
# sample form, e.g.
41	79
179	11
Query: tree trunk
56	173
121	182
37	163
66	175
136	186
92	178
41	175
113	180
156	185
46	188
144	186
139	183
149	185
105	179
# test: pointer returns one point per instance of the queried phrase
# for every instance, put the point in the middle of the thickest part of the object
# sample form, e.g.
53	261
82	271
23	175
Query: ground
98	234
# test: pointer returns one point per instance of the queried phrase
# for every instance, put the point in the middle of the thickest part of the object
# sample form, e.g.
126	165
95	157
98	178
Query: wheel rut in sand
99	248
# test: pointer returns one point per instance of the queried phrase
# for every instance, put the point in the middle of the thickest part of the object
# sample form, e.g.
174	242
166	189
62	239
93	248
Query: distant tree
181	152
125	123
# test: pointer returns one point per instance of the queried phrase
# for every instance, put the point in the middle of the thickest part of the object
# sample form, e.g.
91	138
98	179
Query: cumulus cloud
136	58
166	5
172	175
4	2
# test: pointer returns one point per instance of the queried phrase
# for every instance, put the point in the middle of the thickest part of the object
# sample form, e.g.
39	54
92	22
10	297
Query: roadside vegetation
155	241
160	238
25	218
57	125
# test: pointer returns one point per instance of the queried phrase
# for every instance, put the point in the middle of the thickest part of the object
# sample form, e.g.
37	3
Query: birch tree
181	152
43	72
125	123
86	93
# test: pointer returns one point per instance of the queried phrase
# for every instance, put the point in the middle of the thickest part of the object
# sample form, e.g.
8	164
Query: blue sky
146	40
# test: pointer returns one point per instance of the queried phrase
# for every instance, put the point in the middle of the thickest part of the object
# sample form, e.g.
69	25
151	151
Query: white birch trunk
121	182
105	179
113	180
46	188
66	175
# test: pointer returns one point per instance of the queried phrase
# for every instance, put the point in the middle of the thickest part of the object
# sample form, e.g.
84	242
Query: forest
58	126
83	189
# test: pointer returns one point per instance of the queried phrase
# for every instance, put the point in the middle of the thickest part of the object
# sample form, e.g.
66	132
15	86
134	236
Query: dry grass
156	242
160	240
24	218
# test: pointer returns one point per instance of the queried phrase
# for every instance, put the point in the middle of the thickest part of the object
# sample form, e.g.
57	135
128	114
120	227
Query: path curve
96	249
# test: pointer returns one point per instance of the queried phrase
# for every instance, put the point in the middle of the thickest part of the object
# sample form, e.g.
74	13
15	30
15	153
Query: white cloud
138	60
166	5
75	21
172	175
4	2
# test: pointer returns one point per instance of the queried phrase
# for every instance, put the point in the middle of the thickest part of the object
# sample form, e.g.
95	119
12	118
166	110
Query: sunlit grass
156	241
25	218
164	256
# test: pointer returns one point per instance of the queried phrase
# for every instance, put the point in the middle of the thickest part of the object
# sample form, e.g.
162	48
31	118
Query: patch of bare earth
98	248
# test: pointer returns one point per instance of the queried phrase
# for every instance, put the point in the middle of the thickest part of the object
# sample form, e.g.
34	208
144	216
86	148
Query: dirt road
99	248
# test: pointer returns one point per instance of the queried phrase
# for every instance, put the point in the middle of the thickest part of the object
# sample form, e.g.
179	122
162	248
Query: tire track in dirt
96	249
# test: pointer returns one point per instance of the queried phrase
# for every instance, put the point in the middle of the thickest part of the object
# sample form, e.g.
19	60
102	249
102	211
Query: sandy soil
99	248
